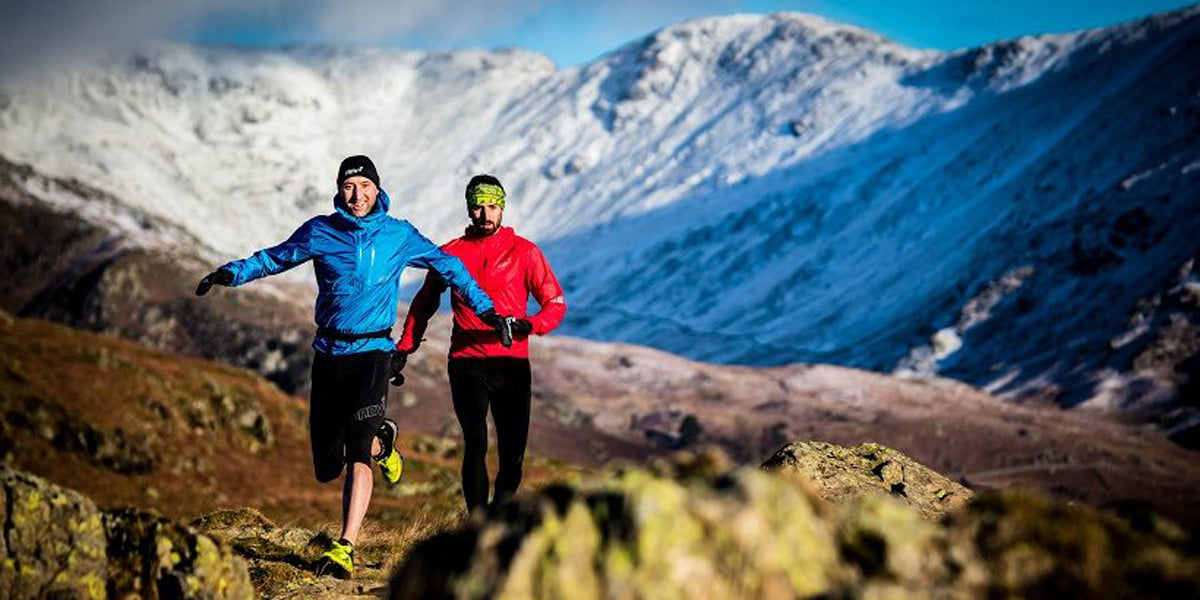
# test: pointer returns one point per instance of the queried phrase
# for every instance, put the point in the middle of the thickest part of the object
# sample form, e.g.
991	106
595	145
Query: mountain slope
749	189
1080	183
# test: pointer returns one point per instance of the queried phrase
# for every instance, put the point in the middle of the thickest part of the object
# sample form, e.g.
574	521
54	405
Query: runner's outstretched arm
423	307
276	259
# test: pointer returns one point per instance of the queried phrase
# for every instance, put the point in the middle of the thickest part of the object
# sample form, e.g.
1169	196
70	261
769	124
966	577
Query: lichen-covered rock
56	544
839	473
687	531
257	537
280	558
638	535
893	551
1019	545
53	543
153	557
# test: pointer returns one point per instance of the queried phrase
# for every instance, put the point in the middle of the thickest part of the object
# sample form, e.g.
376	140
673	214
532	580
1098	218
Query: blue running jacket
358	263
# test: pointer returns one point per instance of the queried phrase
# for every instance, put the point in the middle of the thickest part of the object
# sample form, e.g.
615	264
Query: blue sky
570	32
574	32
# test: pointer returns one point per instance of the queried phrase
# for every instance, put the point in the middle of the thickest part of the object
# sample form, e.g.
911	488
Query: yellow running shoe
338	561
390	462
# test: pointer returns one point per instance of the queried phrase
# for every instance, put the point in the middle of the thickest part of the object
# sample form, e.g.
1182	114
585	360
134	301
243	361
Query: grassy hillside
131	426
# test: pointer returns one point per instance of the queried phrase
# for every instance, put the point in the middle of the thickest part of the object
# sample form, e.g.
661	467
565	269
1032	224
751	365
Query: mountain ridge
656	175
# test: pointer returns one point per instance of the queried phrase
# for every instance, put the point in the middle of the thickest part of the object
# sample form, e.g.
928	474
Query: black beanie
357	165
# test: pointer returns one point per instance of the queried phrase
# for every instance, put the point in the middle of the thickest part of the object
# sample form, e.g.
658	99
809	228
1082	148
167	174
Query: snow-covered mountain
757	189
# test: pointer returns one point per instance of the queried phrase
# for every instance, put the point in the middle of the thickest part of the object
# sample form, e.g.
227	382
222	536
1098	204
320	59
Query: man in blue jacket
358	253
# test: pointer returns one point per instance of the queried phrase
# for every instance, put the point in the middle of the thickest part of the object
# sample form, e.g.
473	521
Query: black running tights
502	384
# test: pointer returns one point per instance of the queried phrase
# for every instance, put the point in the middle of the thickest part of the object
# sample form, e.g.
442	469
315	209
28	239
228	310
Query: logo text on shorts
367	412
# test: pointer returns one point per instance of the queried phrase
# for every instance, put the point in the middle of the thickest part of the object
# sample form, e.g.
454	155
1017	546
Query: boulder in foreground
57	544
684	532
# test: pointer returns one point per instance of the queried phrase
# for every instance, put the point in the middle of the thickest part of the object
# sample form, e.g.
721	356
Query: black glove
218	277
502	325
522	327
399	359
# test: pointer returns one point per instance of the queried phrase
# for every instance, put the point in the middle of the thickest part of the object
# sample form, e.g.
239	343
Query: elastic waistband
488	359
346	336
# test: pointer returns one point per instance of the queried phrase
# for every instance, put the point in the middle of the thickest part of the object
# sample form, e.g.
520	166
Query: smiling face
485	218
359	194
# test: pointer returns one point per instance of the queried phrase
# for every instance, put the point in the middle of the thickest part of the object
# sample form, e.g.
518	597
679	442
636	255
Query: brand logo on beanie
357	166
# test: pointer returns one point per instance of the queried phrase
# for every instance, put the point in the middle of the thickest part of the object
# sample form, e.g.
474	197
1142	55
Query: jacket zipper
371	267
361	279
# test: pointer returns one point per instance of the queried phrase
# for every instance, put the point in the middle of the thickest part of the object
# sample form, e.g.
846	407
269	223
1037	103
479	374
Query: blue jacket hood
373	219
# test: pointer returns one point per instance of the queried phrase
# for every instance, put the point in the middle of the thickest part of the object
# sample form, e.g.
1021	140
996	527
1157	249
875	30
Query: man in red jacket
484	372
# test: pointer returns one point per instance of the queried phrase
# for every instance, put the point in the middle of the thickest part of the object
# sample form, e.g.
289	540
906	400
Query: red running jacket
509	268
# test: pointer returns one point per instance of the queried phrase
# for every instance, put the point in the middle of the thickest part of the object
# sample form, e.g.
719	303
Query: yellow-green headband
486	194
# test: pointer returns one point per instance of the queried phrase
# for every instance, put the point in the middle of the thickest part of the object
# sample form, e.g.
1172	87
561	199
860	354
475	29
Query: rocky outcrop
155	558
147	297
694	530
637	534
57	544
54	542
840	473
1014	545
1170	362
281	558
111	448
227	408
65	268
39	241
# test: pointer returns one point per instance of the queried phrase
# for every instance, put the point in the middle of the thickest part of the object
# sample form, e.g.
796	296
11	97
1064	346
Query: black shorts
349	396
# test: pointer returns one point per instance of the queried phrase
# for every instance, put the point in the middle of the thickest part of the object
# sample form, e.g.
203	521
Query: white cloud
30	30
34	33
379	21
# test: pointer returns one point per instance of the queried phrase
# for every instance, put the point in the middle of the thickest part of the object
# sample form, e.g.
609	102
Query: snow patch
922	361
